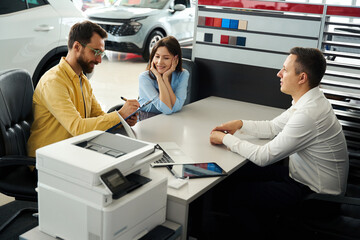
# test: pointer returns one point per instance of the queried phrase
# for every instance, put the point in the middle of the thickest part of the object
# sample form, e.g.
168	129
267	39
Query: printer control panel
120	185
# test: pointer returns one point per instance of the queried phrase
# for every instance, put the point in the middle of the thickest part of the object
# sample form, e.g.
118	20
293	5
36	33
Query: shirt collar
69	71
308	96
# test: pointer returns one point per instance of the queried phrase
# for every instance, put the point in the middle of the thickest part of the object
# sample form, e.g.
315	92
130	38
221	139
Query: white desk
190	129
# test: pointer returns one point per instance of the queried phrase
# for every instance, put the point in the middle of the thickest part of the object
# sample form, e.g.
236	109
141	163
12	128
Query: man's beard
85	66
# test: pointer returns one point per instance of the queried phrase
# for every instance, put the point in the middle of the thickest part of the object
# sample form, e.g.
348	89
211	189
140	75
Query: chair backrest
193	83
16	92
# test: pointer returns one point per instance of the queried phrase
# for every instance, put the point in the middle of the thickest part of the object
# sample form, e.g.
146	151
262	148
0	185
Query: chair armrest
335	198
116	107
16	160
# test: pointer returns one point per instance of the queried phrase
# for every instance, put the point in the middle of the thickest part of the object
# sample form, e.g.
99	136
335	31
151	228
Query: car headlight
123	29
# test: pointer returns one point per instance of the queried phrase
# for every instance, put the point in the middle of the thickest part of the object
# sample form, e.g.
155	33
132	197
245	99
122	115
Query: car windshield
156	4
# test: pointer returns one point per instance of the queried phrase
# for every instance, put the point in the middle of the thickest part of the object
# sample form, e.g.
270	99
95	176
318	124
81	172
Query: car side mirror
179	7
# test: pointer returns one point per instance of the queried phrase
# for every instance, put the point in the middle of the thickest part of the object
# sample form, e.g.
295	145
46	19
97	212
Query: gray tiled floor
116	76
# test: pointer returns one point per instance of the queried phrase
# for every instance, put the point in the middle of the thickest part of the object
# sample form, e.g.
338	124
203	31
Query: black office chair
115	108
16	178
192	88
325	217
335	217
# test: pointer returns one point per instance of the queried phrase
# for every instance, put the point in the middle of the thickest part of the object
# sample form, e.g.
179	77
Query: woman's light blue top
149	89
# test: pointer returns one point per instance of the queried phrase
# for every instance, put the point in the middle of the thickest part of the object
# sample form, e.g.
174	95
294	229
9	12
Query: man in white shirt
308	133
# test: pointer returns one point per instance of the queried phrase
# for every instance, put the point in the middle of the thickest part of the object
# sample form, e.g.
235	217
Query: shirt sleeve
57	100
181	91
148	91
265	129
297	134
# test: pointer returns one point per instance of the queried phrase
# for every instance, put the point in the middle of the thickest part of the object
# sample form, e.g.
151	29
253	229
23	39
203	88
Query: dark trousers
258	195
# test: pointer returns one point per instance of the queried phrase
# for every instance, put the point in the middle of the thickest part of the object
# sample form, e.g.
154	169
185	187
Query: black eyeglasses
96	51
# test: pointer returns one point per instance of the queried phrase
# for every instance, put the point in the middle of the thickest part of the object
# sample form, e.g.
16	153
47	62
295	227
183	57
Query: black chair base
16	218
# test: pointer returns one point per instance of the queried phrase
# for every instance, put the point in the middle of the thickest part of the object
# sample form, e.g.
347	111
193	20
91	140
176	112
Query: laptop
172	154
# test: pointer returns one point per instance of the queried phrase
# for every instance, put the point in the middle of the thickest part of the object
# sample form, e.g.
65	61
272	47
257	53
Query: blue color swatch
225	23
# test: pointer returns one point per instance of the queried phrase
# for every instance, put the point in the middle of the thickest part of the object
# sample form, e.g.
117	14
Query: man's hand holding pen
130	106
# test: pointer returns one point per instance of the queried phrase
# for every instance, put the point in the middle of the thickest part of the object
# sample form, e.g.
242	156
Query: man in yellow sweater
63	103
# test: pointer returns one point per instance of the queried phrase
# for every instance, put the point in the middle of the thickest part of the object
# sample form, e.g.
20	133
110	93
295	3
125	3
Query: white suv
135	26
34	33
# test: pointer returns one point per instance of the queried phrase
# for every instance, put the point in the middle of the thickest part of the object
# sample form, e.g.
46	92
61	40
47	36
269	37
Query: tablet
137	110
132	114
126	126
196	170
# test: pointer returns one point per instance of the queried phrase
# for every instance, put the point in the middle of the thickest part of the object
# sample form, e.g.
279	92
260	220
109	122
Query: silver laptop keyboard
165	158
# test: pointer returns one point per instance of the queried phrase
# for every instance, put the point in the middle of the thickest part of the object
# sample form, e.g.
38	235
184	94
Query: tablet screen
196	170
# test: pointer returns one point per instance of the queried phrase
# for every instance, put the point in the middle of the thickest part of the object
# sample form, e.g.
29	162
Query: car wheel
45	68
154	37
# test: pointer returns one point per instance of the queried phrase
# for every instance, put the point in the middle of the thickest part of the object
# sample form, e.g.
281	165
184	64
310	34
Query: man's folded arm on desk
297	135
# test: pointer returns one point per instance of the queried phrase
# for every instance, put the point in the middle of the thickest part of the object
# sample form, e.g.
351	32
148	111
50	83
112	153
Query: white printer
74	202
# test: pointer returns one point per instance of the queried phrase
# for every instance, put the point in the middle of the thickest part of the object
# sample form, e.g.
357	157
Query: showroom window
36	3
10	6
185	2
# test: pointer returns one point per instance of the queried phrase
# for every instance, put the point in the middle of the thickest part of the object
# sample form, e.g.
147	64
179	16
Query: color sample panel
224	39
243	25
200	36
234	24
222	23
217	22
225	23
232	40
201	21
209	21
208	37
240	41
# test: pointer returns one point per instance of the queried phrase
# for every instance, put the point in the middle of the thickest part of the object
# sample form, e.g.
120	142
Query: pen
125	99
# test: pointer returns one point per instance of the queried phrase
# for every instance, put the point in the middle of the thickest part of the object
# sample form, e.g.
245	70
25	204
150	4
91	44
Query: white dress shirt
310	134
